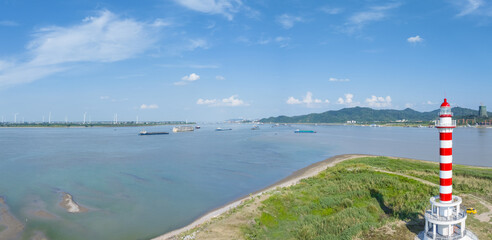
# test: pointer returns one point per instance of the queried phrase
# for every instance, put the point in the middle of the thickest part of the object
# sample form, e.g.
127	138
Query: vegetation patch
355	199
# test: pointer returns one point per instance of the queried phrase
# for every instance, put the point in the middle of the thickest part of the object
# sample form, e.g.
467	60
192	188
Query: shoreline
290	180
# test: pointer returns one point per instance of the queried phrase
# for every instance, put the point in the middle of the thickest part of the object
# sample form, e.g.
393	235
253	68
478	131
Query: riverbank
260	215
292	179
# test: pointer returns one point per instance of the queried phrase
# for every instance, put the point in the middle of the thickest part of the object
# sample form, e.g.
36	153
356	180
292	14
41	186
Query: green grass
466	179
351	198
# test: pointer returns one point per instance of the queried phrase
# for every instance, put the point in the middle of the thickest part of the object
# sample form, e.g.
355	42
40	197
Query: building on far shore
482	111
445	220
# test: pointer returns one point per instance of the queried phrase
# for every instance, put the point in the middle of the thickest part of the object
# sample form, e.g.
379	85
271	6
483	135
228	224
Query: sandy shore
13	227
293	179
70	205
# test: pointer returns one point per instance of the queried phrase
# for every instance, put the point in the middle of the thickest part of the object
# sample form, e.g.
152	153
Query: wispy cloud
415	39
226	8
197	66
332	79
308	100
197	43
219	77
287	21
331	10
102	38
149	106
232	101
188	79
375	13
378	102
468	7
8	23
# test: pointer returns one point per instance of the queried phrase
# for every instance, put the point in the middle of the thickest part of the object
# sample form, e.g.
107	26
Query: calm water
139	187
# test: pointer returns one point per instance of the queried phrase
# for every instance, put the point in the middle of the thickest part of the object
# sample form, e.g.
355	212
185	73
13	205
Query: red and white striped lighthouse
446	126
446	218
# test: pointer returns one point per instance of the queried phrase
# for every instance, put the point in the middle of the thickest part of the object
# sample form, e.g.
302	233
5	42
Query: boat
255	127
197	127
223	129
304	131
152	133
183	129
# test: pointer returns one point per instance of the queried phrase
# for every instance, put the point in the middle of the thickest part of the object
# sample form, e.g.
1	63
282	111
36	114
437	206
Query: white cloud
226	8
331	11
415	39
7	23
287	21
348	100
373	14
150	106
282	41
102	38
408	105
378	102
201	101
308	100
293	100
338	79
104	97
232	101
192	77
429	103
161	23
219	77
187	79
197	43
469	7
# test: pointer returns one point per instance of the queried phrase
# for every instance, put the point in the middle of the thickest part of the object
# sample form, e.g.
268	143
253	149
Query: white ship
183	129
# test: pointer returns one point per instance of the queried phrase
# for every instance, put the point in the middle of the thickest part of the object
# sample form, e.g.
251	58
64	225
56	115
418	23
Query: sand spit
294	178
70	205
13	227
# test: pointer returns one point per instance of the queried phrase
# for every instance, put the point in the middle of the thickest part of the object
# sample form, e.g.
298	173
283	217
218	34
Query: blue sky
210	60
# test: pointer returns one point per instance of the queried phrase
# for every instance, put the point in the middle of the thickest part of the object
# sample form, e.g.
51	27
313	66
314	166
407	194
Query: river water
137	187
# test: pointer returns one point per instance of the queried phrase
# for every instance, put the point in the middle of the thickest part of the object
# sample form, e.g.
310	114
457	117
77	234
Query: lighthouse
445	219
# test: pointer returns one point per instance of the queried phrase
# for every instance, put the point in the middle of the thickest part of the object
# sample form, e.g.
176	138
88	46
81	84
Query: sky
212	60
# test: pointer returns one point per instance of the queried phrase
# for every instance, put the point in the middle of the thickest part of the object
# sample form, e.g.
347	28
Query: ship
183	129
152	133
304	131
255	127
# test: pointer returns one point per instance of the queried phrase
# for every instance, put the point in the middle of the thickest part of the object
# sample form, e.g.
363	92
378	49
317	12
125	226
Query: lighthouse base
469	235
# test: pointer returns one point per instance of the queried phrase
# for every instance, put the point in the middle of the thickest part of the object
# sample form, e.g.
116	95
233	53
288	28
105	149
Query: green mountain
364	114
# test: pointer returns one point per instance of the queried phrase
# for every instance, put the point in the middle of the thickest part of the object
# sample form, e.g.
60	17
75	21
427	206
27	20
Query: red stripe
446	181
446	196
445	115
445	136
446	166
446	151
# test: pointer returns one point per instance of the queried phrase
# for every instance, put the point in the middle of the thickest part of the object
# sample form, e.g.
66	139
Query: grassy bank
363	198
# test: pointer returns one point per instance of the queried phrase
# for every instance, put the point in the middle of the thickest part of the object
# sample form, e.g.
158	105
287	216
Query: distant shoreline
97	126
292	179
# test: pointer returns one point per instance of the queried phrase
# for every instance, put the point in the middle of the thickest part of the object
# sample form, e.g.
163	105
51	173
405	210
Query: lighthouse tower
446	219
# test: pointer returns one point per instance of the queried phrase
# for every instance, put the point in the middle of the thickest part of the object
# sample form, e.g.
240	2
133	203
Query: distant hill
364	114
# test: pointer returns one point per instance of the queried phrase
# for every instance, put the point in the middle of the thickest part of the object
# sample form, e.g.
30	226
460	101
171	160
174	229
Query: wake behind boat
223	129
152	133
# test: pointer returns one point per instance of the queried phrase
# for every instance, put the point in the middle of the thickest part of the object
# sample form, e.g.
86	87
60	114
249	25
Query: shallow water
138	187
